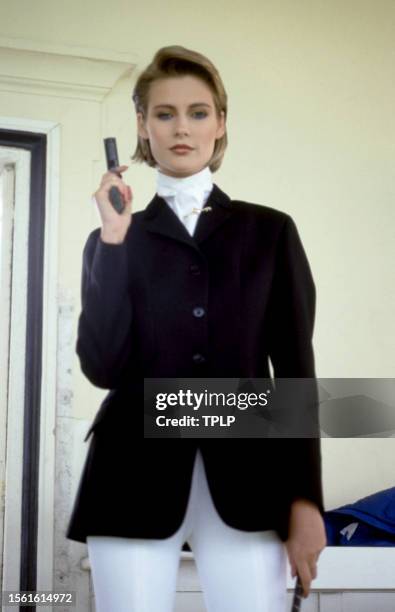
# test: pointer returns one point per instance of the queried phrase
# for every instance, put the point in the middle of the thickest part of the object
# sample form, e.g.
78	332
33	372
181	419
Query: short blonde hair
176	61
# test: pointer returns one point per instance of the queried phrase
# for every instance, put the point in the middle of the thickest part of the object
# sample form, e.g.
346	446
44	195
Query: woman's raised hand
114	225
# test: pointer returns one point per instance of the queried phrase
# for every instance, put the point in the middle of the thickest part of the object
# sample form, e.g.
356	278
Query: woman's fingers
110	217
307	570
117	170
303	564
111	179
128	202
305	576
306	540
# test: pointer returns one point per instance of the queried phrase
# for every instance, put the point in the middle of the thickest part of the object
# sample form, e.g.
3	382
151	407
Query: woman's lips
181	150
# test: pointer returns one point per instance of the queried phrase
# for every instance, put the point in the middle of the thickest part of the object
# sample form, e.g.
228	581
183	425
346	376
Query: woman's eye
201	114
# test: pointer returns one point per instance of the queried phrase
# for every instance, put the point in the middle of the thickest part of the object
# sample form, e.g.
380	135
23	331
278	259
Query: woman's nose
181	126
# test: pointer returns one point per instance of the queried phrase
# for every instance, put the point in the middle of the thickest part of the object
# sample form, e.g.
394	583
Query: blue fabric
370	521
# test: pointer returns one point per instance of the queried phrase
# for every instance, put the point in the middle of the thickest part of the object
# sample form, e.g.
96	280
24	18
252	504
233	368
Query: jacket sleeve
104	325
291	323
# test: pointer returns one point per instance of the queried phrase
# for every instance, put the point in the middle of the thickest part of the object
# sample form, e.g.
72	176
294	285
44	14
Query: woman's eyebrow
190	106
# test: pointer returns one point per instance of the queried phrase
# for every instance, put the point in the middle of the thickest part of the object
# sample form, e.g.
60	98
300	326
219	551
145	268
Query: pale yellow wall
311	131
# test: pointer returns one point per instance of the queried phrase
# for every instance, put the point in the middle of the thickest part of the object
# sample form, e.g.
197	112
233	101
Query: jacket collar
159	218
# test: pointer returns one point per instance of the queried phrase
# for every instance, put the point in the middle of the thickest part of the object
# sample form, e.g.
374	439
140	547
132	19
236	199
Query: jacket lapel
160	219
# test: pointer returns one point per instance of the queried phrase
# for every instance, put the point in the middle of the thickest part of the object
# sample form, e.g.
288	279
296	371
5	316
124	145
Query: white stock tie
186	202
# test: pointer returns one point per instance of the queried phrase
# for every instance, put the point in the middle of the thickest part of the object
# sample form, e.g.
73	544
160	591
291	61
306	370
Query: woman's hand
307	538
115	225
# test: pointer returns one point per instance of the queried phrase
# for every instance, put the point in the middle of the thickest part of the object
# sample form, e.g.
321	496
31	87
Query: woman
196	285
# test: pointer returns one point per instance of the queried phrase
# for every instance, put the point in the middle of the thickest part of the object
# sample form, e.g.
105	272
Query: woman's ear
140	126
221	125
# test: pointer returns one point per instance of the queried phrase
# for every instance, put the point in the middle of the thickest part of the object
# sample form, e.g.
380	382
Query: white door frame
14	459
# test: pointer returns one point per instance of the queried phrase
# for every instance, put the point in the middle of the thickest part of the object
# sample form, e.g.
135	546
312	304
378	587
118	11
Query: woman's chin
179	169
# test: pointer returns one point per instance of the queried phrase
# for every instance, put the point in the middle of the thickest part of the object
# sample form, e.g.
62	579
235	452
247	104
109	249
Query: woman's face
181	110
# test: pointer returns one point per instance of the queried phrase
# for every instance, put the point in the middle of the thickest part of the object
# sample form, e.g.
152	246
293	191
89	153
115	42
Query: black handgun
115	196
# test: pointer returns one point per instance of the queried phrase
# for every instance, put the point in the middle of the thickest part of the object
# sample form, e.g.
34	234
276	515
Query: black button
194	269
198	312
198	358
